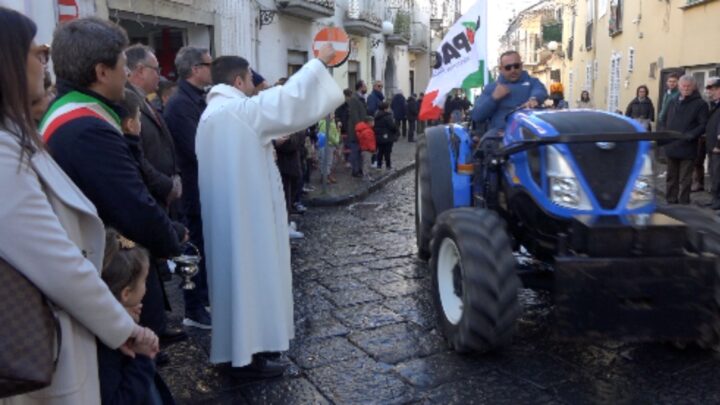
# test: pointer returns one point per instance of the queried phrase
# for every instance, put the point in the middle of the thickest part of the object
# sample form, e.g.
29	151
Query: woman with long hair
50	232
585	101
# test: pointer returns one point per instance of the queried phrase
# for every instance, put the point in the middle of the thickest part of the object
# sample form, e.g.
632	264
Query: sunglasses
516	66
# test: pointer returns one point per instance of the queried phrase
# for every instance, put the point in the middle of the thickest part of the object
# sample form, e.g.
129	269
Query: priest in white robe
245	223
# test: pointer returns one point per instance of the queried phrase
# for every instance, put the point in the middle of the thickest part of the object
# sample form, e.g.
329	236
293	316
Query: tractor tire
703	237
474	280
424	207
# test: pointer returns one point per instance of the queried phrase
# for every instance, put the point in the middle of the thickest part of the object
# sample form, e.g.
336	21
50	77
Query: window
616	12
589	24
614	92
295	61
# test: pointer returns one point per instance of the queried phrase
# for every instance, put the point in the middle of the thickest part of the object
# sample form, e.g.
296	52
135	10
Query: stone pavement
365	333
349	189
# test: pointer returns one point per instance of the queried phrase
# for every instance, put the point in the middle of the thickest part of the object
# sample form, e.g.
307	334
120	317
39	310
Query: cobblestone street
365	333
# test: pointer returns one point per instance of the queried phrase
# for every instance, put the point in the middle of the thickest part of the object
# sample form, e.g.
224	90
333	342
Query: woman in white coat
50	232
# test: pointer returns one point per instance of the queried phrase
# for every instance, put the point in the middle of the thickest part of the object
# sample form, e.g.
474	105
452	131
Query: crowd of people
112	171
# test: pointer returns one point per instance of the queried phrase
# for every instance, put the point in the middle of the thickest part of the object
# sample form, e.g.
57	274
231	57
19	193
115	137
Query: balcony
401	31
362	18
307	9
420	39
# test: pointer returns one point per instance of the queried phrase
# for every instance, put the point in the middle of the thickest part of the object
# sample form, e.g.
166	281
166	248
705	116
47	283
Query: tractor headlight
643	191
565	189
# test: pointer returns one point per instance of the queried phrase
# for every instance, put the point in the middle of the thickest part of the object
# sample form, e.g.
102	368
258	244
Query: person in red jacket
366	138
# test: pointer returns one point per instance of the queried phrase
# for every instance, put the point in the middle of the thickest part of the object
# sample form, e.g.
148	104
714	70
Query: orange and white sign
339	40
67	10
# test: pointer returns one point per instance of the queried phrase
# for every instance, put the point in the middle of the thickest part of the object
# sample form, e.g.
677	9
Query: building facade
614	46
390	39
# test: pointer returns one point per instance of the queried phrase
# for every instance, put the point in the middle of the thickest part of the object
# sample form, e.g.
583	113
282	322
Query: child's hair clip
125	243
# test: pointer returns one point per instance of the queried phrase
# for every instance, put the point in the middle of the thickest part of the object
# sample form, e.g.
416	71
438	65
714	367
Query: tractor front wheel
474	280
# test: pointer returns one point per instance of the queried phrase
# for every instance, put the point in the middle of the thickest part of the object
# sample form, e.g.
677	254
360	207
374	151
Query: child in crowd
366	139
330	128
124	379
386	133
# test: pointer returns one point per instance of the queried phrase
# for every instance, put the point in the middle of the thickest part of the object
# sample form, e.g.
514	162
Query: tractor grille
606	171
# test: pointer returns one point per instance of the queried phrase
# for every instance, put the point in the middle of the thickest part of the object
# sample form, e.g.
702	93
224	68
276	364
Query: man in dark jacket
357	112
182	114
671	94
375	98
89	63
399	109
413	109
156	141
712	132
688	115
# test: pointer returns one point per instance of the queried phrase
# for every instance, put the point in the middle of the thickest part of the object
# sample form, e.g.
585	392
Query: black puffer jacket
688	116
385	128
641	109
712	129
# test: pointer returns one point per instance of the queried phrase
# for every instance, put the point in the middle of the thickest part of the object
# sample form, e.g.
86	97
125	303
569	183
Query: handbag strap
58	330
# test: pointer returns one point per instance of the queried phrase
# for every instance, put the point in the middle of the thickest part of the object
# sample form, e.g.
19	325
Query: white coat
51	233
245	224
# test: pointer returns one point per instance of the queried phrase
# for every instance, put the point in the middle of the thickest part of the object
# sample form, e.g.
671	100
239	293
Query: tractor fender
441	187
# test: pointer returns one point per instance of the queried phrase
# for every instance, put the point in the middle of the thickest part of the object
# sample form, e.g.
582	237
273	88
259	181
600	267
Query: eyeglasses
516	66
155	68
203	64
42	53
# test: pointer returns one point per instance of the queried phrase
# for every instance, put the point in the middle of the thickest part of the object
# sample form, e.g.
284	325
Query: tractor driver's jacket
496	110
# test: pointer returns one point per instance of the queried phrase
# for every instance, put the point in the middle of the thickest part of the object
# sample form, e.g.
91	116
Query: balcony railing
307	9
401	32
420	39
363	17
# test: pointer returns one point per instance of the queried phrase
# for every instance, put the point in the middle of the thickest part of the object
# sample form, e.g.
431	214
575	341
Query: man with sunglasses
514	88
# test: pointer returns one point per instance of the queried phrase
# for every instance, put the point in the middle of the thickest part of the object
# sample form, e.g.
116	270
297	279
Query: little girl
124	379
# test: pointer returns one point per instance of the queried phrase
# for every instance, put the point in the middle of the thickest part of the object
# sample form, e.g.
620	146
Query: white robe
245	224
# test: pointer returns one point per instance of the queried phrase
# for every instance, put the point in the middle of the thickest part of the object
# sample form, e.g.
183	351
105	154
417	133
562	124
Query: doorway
390	75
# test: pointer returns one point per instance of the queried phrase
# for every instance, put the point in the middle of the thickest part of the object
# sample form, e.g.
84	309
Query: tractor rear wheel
474	280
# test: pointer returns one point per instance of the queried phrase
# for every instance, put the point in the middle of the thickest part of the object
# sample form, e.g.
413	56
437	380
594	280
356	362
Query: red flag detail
428	111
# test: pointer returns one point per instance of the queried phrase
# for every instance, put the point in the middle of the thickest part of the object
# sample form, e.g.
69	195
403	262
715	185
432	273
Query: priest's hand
326	54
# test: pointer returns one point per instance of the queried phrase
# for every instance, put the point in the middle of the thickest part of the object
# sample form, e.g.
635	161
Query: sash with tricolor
74	105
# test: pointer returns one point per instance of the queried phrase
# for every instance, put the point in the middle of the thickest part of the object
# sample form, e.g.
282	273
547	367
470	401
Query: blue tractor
572	193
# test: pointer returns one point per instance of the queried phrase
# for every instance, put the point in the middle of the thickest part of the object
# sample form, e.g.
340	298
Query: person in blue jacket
514	88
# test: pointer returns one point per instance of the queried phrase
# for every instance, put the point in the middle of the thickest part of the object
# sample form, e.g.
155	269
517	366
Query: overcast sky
500	12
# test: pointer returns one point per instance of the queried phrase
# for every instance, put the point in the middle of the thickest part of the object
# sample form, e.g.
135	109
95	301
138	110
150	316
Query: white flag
460	57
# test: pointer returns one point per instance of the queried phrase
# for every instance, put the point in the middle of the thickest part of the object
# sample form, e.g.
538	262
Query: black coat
154	180
399	107
124	380
712	129
157	147
342	114
99	161
289	155
688	116
641	109
182	115
413	109
385	128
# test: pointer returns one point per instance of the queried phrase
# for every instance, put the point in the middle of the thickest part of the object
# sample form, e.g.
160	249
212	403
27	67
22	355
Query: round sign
339	40
67	10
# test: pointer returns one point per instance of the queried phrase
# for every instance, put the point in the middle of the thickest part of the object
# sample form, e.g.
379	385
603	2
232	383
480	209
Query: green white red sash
75	105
